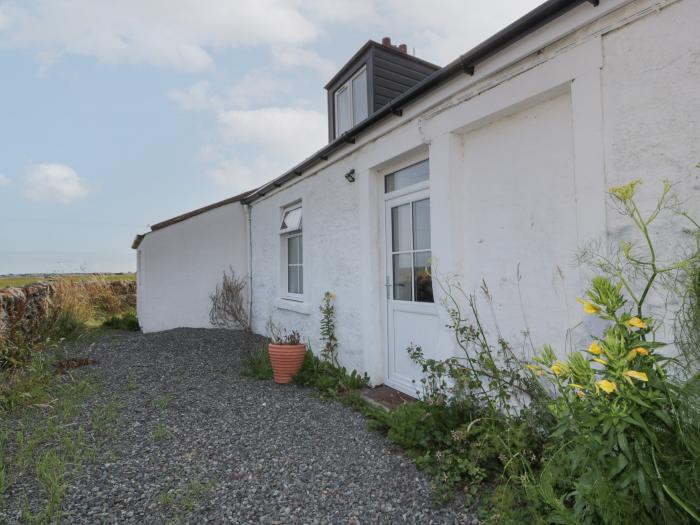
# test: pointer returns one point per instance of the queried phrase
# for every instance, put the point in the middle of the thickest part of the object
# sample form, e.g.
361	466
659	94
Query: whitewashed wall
180	265
521	156
332	247
651	87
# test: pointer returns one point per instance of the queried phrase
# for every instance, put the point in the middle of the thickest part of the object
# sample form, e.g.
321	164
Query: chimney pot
386	41
403	48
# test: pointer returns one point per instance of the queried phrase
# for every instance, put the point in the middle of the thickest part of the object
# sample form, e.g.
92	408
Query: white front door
411	313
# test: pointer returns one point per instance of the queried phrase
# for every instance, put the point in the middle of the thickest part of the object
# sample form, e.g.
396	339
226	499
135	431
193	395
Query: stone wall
28	306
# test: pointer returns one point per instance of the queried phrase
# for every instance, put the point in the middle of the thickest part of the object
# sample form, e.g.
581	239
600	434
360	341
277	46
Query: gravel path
196	442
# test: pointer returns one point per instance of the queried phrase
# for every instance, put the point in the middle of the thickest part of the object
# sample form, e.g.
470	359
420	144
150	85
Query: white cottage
493	167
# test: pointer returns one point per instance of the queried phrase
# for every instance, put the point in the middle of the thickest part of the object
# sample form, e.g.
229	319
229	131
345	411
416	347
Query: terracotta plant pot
286	361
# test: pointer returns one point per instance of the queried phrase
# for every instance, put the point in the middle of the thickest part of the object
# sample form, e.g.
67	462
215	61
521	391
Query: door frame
409	194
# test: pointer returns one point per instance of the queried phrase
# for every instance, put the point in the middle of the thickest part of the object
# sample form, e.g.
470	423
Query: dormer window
351	102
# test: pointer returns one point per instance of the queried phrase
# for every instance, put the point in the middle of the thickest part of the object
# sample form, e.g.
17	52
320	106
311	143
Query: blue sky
116	115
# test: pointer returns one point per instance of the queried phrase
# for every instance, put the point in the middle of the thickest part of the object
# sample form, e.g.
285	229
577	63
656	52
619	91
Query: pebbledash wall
521	155
180	265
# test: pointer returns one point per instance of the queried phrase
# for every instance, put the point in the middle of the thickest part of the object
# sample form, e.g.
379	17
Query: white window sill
293	306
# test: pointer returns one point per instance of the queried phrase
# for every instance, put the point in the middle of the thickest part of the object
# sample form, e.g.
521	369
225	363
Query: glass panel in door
410	252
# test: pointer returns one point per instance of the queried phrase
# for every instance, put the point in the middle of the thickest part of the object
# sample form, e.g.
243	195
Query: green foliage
68	326
330	347
257	364
127	321
627	440
330	380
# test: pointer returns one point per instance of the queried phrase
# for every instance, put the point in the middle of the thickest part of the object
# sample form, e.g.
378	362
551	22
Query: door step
386	397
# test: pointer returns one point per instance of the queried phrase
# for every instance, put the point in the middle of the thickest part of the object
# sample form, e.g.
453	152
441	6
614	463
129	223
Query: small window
295	265
351	105
291	221
409	176
292	252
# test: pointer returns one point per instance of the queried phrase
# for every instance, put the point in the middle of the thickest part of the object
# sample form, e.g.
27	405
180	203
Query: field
22	280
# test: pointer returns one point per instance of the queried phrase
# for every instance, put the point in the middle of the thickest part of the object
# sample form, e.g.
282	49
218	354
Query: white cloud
237	177
177	34
294	57
54	182
450	27
4	180
195	97
285	132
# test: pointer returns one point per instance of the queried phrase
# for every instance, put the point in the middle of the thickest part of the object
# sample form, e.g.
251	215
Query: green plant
68	326
330	347
257	364
486	372
161	432
627	438
162	402
127	321
328	379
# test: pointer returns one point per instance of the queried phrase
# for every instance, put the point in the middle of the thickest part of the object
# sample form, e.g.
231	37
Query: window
407	177
410	251
293	252
351	102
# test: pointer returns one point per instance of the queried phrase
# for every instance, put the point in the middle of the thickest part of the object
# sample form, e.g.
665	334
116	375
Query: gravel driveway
196	442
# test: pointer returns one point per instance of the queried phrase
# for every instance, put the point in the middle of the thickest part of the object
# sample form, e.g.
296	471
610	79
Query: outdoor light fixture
350	176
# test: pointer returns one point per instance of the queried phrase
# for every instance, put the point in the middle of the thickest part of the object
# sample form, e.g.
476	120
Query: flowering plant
626	447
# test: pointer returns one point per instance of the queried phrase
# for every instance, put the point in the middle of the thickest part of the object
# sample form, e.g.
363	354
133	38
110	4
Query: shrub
127	321
228	303
330	380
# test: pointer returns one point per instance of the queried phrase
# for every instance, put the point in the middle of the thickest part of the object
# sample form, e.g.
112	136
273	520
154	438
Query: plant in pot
286	353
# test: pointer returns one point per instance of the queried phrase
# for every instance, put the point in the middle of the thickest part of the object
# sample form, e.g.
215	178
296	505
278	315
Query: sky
117	115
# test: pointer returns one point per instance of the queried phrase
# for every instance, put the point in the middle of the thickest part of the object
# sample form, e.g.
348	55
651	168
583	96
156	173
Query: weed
162	402
51	473
127	321
330	380
257	364
161	432
184	499
105	416
131	383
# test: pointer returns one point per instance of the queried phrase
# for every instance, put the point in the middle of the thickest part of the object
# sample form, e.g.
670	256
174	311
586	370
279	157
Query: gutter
464	64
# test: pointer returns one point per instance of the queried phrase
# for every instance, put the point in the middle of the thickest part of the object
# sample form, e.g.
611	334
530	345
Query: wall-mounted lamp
350	176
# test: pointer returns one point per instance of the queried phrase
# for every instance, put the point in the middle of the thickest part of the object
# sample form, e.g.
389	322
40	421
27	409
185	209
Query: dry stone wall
28	306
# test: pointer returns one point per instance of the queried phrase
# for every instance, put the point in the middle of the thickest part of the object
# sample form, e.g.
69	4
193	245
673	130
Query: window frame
351	113
285	235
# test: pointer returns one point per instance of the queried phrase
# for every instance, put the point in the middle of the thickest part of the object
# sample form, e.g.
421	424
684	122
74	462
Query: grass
177	502
45	436
162	402
257	364
127	321
11	280
161	432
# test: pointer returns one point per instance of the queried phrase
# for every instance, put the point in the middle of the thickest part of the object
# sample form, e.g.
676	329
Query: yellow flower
595	349
599	360
641	376
637	351
636	322
536	369
606	386
581	394
588	306
558	370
